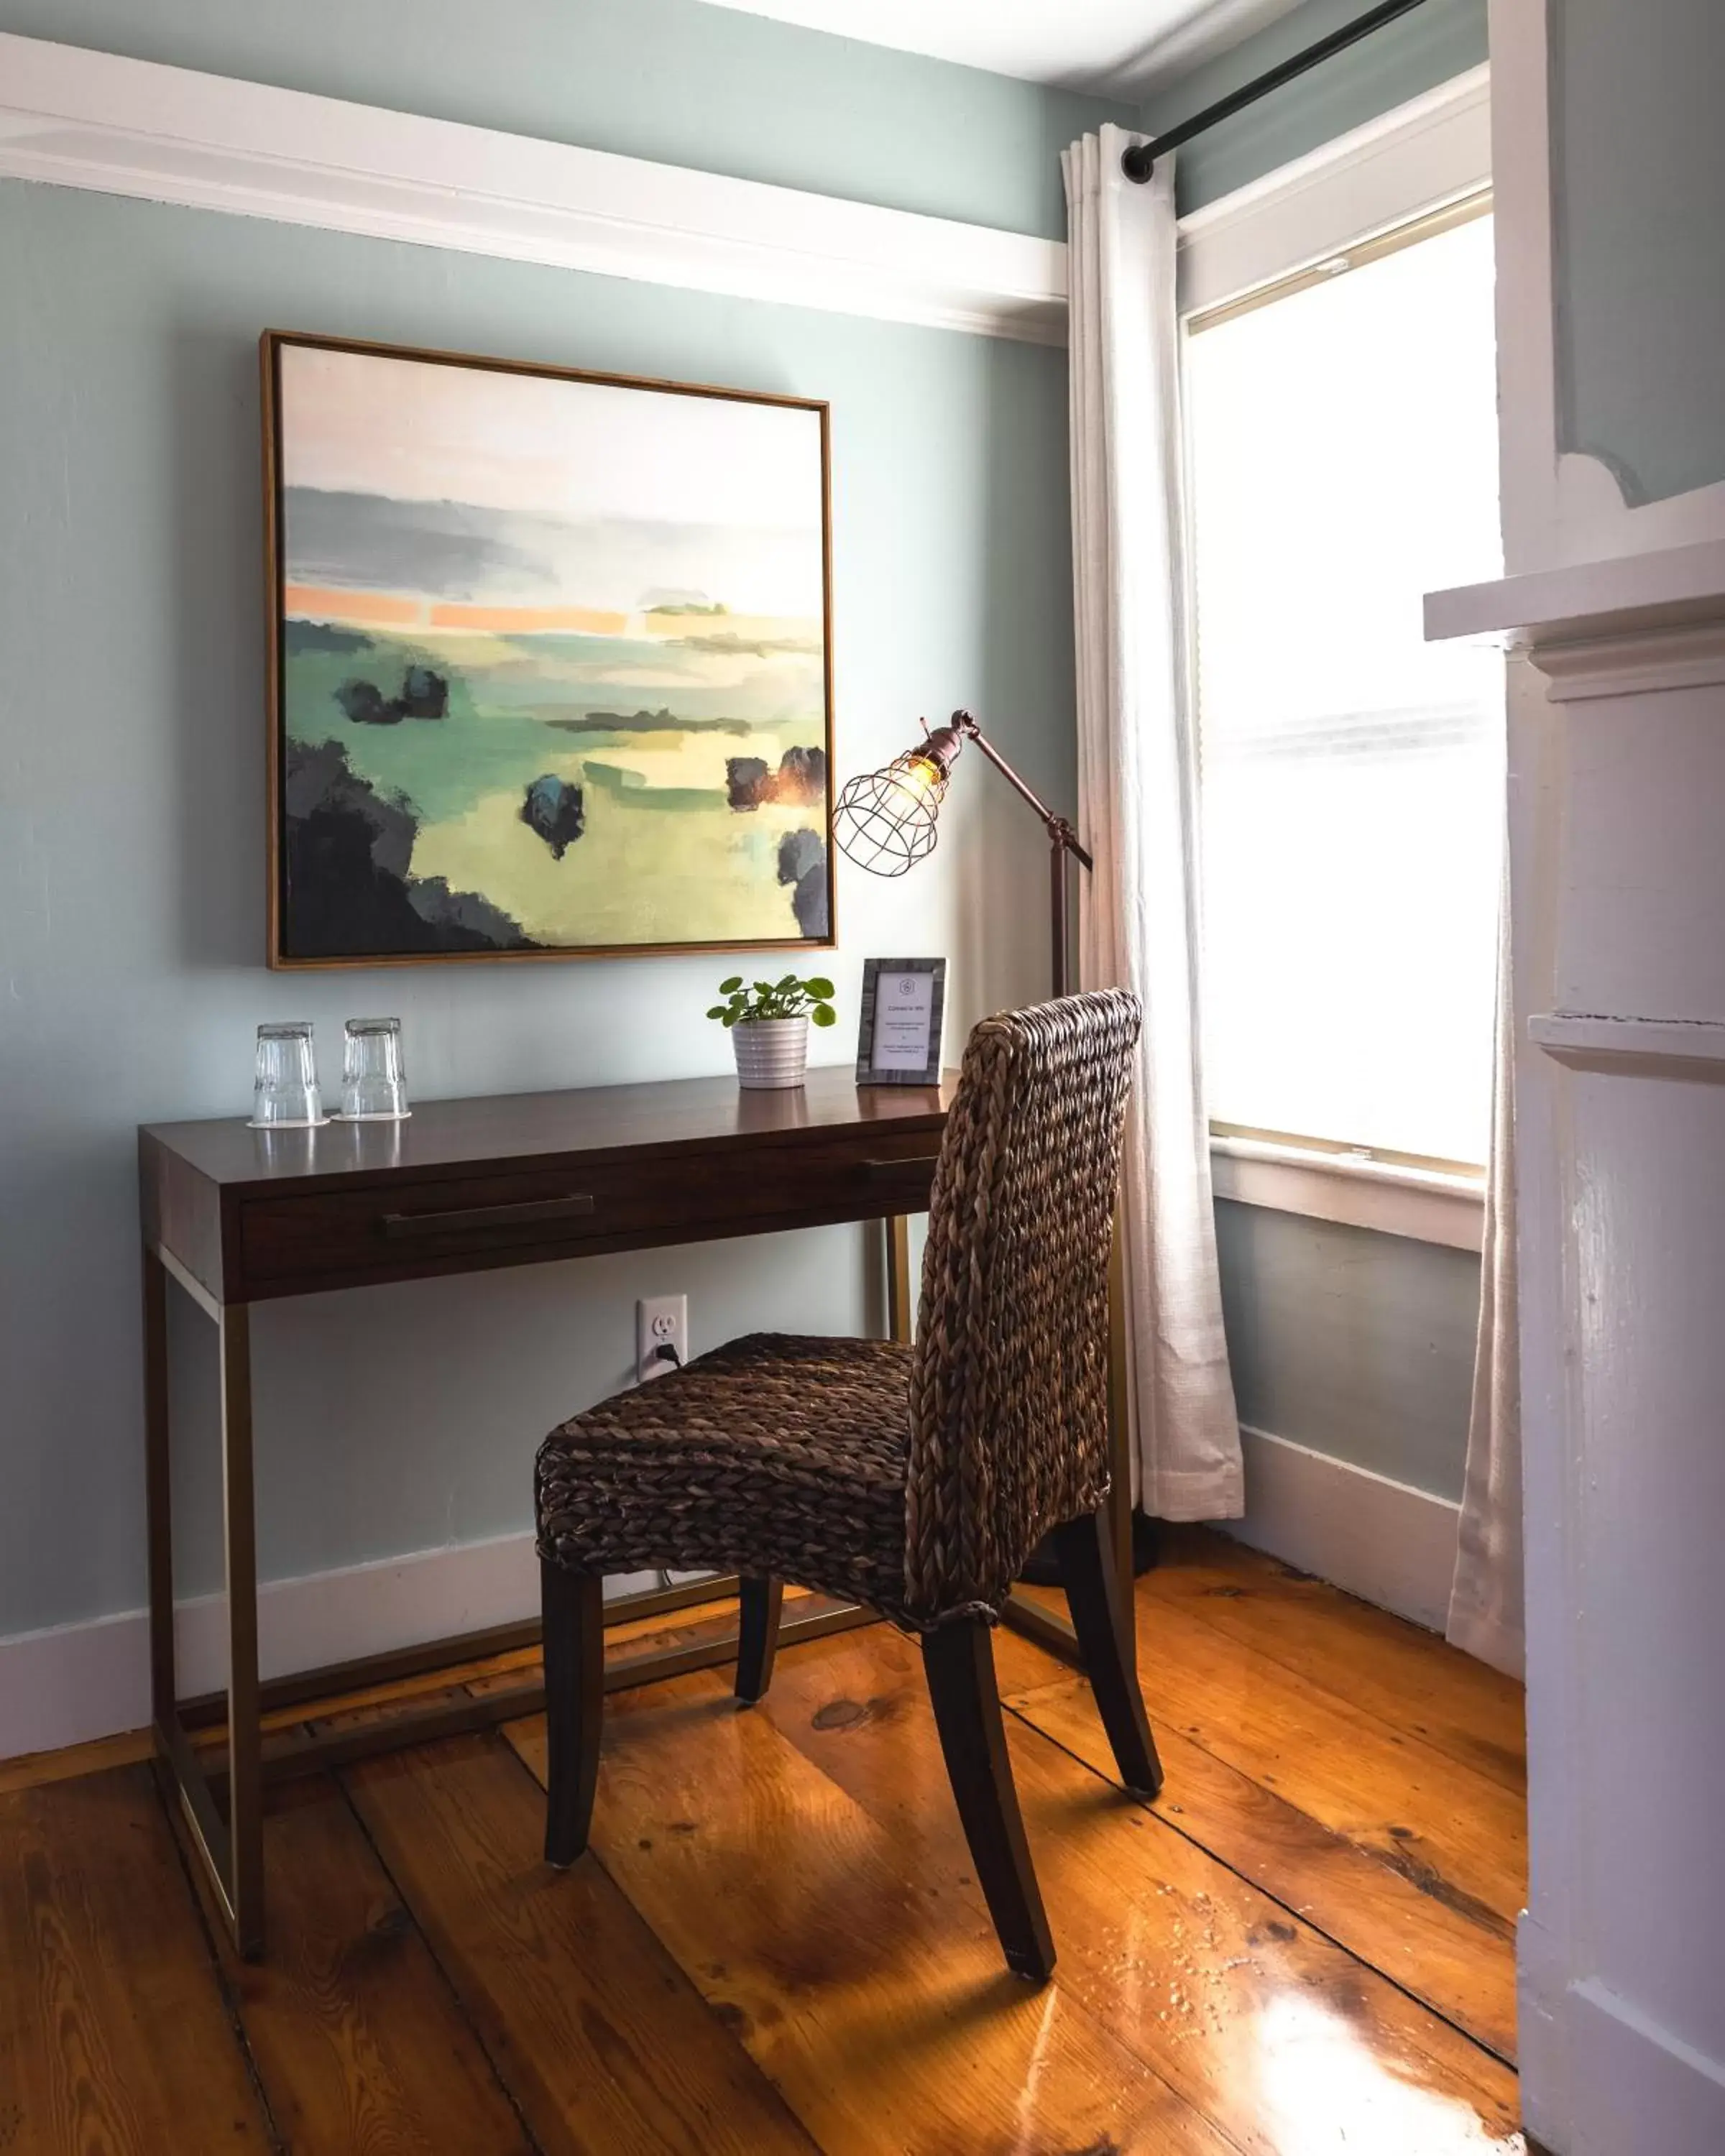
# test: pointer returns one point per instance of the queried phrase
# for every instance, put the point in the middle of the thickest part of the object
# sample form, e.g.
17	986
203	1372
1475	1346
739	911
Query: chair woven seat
772	1455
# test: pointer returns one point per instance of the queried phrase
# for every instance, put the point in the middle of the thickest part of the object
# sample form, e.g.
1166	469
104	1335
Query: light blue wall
1639	191
131	748
1436	42
1355	1344
673	80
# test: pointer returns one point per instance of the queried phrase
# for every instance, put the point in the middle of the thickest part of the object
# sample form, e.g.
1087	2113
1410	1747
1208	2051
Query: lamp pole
1062	840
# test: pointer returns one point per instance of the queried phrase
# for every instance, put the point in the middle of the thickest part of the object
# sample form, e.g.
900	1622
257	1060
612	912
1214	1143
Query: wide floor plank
113	2034
606	2047
1460	1962
1454	1831
872	1993
1406	1677
357	2038
1198	1973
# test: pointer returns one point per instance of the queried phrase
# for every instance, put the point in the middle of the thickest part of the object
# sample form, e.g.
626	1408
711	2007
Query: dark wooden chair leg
760	1600
959	1660
1101	1614
574	1608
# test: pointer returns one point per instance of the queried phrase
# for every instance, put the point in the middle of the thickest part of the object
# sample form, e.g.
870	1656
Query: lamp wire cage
885	821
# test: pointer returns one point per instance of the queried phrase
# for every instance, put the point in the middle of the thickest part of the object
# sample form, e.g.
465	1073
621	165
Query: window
1344	462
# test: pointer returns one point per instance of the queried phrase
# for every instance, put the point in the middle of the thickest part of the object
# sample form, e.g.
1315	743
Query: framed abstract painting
550	661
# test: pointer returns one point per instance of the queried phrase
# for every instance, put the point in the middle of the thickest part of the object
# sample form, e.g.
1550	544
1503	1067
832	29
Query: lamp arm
1060	831
1062	839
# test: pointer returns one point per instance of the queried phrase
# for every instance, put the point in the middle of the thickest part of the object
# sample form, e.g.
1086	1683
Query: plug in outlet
661	1322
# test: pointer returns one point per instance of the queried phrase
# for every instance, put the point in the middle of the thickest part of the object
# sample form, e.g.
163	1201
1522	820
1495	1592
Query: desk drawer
414	1227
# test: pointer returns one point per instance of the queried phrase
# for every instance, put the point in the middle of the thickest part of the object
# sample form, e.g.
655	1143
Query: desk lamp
885	821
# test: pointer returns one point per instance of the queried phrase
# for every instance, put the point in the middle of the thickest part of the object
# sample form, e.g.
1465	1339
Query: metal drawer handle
489	1216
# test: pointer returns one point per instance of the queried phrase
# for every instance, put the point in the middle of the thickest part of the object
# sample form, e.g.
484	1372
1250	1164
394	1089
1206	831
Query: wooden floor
776	1944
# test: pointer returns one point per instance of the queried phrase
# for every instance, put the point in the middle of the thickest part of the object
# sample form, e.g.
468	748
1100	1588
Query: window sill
1424	1204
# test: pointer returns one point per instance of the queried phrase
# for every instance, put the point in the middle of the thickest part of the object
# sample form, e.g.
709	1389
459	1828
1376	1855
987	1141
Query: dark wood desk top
662	1115
513	1178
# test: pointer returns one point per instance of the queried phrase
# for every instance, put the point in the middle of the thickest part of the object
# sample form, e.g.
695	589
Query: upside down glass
285	1094
372	1088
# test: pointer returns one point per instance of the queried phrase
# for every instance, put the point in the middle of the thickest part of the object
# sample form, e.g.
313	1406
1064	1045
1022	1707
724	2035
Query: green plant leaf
717	1011
730	1019
818	987
824	1015
730	987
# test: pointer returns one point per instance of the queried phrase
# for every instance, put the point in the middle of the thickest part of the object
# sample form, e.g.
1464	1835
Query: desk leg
245	1742
900	1316
232	1849
158	1485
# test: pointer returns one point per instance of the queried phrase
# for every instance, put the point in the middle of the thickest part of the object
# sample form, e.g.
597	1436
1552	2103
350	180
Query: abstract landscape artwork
551	666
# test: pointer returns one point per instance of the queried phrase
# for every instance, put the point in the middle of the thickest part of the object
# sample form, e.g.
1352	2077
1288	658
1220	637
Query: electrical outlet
661	1321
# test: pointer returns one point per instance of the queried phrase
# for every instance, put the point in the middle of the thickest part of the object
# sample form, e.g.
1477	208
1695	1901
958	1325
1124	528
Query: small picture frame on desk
899	1037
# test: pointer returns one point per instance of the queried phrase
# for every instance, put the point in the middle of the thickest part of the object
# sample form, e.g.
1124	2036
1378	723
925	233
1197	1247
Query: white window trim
1435	150
1426	1205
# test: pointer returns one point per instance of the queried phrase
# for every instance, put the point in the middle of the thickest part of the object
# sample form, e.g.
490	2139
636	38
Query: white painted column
1617	848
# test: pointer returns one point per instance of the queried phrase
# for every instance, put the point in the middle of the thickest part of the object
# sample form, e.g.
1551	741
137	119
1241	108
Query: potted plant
768	1025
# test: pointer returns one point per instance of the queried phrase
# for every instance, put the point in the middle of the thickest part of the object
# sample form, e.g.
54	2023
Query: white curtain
1137	812
1486	1599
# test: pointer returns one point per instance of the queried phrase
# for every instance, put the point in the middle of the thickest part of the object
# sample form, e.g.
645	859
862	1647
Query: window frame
1427	164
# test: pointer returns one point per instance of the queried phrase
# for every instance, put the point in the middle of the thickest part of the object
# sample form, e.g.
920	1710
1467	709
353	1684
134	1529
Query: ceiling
1115	48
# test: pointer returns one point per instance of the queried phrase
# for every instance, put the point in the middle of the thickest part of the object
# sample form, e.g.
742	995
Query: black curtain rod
1139	162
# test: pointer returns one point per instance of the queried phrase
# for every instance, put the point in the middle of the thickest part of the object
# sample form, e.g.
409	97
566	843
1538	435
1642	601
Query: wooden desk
235	1217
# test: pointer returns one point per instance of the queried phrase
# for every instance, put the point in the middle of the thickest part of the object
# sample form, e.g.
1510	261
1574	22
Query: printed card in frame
550	660
899	1031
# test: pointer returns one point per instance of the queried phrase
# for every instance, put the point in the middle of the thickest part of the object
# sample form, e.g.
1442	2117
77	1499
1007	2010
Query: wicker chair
915	1479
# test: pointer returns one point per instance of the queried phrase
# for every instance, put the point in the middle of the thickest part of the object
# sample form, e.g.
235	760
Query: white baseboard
79	1681
1382	1540
1599	2077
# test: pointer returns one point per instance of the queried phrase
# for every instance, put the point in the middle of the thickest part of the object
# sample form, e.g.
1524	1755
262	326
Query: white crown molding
1686	1047
1434	149
80	119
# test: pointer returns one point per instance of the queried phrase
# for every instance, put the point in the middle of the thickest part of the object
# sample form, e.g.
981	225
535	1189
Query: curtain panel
1138	912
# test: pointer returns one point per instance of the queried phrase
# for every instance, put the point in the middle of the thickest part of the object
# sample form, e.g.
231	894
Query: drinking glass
285	1096
372	1089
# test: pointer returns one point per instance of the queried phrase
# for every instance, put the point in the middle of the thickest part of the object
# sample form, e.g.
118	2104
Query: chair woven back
1009	1384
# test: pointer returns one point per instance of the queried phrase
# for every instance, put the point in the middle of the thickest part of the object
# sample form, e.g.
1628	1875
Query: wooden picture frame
876	1063
360	872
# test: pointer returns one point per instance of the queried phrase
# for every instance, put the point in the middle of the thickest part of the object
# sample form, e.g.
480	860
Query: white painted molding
80	119
1385	1541
1423	1205
1432	151
1559	506
1635	665
1600	2076
1678	588
1595	519
1636	1047
78	1682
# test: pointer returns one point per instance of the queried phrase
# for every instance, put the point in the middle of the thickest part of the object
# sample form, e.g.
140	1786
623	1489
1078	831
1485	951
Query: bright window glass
1343	442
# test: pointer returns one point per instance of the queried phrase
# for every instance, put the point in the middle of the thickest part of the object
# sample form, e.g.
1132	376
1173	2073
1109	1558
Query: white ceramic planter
771	1051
